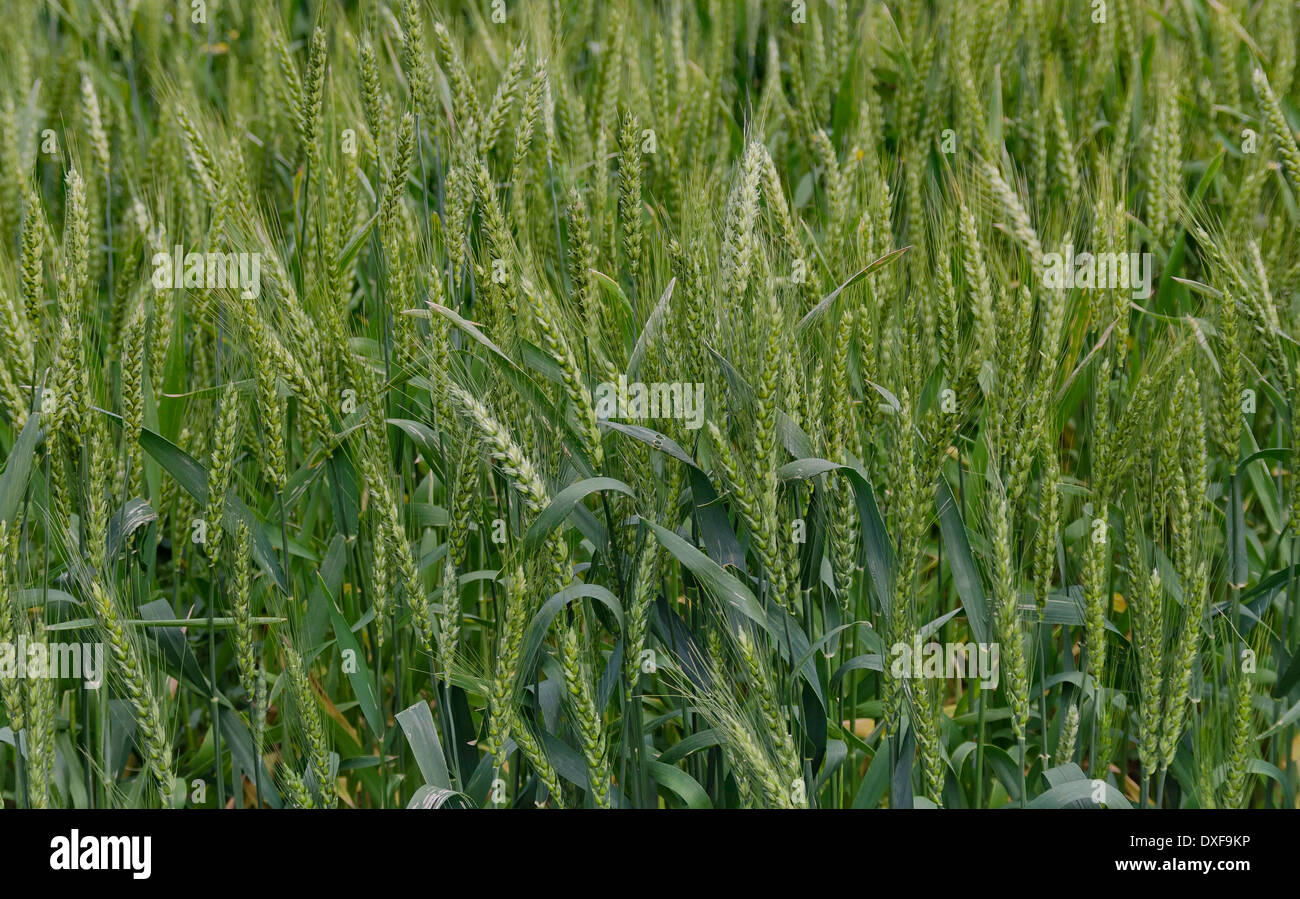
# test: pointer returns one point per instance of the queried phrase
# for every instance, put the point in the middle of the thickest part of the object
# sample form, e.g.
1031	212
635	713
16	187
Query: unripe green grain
415	59
245	657
528	116
1241	740
225	446
318	754
502	101
541	764
587	721
1006	616
629	196
128	661
512	621
11	687
469	114
1284	142
1069	734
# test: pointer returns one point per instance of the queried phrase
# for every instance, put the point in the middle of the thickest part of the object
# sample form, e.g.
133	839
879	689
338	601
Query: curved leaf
651	438
422	736
650	329
803	469
965	576
870	661
437	797
681	783
134	514
421	434
877	546
363	684
712	575
695	742
819	310
564	503
1077	794
720	541
193	479
18	468
541	622
472	330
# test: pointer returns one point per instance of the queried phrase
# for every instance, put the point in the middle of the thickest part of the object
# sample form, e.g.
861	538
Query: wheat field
629	404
